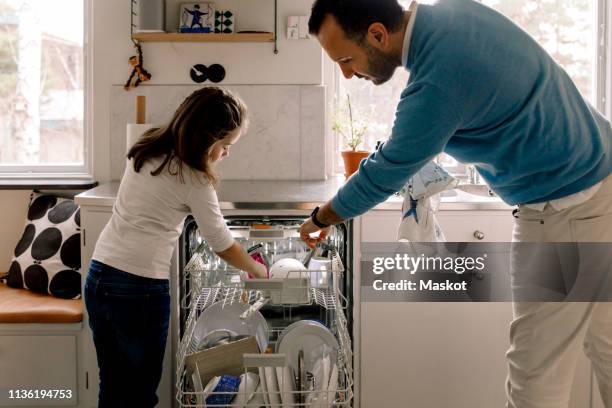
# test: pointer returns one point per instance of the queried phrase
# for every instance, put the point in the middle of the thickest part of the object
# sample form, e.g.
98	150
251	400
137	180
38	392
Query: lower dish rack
319	377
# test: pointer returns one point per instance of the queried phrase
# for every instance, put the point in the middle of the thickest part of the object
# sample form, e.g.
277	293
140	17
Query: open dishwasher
281	342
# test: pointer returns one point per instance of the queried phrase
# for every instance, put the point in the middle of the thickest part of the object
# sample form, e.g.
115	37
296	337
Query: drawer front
458	226
38	363
476	226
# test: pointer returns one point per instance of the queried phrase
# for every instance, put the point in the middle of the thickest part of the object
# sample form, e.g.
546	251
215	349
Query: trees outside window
41	84
567	29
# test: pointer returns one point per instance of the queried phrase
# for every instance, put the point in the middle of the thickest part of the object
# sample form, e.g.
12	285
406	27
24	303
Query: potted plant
352	132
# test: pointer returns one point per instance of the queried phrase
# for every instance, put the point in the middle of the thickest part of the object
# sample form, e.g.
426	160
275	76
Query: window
42	98
567	29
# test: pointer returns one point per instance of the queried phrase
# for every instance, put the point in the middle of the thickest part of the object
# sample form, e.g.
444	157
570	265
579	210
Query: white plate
286	383
264	387
227	317
309	336
248	384
272	384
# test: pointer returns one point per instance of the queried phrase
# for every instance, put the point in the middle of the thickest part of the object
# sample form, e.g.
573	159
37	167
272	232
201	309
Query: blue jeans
129	316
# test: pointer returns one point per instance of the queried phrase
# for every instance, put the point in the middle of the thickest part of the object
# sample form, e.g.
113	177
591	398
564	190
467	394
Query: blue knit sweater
483	91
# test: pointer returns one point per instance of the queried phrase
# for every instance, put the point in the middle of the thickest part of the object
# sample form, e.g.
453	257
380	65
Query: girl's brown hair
206	116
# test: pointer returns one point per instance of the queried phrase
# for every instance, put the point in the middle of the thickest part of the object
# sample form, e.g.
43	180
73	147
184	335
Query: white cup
320	268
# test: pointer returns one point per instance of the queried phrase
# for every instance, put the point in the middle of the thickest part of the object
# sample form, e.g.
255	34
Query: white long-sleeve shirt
148	218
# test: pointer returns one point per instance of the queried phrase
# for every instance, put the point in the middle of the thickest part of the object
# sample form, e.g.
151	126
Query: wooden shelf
203	37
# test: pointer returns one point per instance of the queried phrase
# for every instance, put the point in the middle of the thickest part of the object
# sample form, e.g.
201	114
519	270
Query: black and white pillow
48	255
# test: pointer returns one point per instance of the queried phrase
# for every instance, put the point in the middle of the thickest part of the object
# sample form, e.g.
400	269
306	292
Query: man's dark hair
356	16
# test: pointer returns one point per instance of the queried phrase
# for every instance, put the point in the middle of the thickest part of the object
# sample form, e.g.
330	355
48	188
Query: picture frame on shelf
197	17
225	21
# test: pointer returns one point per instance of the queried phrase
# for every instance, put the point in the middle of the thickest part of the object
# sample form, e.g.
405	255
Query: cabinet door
93	221
421	355
40	363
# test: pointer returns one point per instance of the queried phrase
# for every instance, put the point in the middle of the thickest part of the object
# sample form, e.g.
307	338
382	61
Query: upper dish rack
300	288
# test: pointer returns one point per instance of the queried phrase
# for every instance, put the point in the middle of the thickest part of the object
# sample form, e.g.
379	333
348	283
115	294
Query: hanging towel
421	201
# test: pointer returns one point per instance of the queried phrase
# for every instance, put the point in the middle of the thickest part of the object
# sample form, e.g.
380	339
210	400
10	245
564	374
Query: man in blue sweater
483	91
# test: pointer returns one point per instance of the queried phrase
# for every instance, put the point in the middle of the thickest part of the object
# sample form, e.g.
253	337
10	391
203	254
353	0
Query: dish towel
421	201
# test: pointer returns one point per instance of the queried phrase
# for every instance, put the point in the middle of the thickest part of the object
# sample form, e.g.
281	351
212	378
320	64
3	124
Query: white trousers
546	336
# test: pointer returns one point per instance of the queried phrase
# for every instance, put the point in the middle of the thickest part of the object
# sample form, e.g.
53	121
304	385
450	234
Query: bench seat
25	306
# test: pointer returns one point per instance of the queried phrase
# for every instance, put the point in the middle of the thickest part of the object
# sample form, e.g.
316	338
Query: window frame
67	171
602	71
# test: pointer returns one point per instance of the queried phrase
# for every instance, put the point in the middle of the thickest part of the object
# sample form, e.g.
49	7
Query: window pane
565	28
41	82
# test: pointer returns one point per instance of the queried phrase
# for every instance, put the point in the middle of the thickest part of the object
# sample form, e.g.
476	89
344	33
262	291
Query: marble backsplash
285	140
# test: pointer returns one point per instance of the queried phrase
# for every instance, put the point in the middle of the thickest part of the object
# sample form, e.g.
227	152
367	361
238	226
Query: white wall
13	208
299	62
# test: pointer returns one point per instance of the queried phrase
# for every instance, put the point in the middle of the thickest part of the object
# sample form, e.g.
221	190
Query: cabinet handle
479	235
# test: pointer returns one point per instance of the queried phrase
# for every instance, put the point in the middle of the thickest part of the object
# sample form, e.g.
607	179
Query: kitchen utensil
317	398
332	387
224	391
221	316
286	383
272	384
215	338
320	272
301	369
309	256
198	388
248	384
223	359
308	336
258	400
287	268
264	386
254	308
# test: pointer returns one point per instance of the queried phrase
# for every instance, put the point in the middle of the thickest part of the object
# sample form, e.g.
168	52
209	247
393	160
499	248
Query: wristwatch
313	217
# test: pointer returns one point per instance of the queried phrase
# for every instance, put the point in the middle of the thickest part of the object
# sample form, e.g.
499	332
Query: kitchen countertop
255	195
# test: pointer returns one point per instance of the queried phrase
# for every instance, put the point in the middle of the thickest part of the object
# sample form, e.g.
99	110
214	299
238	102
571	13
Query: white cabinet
422	355
458	226
38	362
93	220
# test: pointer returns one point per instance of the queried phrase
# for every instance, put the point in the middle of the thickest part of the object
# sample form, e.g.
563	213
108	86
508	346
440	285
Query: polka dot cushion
48	255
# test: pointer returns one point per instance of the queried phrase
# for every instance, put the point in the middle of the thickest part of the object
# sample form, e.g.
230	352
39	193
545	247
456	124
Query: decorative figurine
139	74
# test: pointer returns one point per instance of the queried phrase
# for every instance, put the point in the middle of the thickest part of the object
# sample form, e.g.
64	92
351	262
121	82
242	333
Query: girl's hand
259	271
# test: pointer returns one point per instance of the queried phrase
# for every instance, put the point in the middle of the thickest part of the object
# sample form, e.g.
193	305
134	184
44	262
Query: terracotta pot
352	159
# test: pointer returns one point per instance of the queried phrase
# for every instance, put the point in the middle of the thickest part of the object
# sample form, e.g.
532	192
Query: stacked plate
310	336
225	318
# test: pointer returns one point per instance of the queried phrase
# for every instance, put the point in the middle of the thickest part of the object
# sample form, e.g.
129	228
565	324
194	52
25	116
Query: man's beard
381	67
